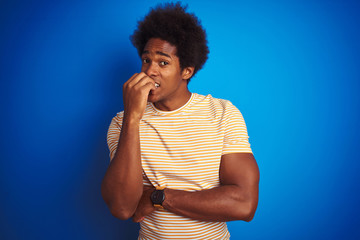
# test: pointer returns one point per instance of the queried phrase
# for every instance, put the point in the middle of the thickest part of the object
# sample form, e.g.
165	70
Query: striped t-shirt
181	149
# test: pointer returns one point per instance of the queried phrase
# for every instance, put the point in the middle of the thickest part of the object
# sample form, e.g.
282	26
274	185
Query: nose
151	69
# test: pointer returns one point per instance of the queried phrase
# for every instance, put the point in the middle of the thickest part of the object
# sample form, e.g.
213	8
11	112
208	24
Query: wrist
168	193
133	115
131	120
157	198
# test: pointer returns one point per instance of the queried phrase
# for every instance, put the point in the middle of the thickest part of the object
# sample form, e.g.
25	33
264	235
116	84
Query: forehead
156	45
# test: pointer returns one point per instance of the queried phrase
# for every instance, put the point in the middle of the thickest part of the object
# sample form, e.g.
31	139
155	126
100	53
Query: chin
153	98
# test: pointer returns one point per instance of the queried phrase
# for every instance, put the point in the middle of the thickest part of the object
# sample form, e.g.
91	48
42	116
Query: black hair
170	22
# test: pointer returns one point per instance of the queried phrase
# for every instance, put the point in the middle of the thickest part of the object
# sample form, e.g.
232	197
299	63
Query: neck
171	105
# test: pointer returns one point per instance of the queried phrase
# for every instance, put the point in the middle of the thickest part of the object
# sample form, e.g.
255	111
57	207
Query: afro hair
170	22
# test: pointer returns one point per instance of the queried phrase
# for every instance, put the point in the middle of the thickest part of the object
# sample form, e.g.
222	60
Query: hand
136	91
145	206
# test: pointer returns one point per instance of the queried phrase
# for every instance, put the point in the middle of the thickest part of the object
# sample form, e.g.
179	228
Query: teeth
157	85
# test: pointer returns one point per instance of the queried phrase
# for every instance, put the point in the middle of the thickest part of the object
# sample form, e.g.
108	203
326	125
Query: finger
131	78
146	83
137	82
135	78
137	218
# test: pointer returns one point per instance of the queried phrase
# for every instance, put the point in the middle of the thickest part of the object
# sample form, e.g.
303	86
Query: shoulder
217	104
117	120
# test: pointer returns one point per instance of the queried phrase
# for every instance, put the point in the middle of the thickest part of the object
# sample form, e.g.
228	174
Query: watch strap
158	206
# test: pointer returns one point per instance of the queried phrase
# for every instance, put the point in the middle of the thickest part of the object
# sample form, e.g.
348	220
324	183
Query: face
159	61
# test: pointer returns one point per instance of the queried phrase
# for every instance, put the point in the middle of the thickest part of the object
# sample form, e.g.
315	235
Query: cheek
171	72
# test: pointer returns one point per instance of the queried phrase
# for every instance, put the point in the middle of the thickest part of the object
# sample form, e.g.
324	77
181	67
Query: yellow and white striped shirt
182	149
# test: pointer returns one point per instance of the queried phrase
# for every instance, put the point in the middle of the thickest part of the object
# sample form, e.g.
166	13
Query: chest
181	151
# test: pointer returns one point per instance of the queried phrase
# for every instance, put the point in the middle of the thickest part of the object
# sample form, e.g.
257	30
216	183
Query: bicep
239	169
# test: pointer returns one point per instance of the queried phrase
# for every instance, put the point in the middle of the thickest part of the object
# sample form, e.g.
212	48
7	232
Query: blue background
291	67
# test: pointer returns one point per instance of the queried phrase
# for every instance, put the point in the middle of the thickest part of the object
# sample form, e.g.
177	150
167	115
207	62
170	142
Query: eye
163	63
145	60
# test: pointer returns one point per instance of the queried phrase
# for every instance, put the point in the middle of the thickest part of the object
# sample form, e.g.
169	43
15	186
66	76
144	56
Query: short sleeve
114	134
236	138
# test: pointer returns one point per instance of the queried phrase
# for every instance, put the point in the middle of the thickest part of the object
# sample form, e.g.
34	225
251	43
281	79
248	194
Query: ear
187	73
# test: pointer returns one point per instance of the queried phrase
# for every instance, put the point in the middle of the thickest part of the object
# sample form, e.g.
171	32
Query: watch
157	198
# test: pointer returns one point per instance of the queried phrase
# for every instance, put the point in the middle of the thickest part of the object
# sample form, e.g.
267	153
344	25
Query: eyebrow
158	53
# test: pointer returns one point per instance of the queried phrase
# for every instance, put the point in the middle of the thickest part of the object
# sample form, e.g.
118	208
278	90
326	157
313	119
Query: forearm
122	185
225	203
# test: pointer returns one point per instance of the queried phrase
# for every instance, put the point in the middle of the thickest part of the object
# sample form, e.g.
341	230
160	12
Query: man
181	164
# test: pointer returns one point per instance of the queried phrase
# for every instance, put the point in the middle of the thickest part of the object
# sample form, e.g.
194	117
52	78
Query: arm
122	186
235	199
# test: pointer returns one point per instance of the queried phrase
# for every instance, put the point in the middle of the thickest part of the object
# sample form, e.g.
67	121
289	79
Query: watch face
157	197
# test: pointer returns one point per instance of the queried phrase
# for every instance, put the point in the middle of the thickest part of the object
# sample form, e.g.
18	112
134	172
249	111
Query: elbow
250	213
121	213
115	206
247	207
246	212
249	216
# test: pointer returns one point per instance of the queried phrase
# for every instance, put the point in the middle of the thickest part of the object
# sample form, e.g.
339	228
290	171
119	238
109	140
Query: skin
122	188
